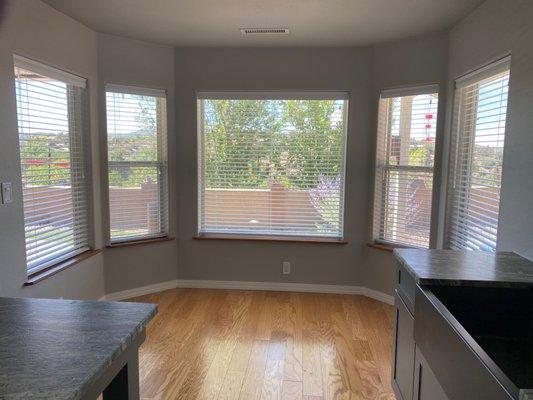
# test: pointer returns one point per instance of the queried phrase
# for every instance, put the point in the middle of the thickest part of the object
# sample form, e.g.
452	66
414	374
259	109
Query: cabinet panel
426	385
404	351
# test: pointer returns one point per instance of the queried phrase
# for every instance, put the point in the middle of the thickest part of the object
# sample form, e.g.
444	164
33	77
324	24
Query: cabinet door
403	352
427	387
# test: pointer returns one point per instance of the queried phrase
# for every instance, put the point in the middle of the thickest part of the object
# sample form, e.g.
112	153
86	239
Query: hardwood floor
229	344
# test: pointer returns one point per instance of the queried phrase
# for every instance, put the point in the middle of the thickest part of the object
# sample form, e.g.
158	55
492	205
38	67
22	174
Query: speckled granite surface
451	267
56	349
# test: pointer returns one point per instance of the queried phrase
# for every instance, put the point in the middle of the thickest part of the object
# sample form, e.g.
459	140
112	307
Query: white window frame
271	95
161	164
378	235
457	147
79	150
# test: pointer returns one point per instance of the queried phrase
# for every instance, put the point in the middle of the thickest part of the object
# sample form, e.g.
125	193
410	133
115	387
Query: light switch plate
7	192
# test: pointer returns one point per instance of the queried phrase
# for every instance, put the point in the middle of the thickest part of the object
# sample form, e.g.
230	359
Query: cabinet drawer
461	373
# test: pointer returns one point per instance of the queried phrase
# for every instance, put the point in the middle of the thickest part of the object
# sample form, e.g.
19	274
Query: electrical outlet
7	192
286	268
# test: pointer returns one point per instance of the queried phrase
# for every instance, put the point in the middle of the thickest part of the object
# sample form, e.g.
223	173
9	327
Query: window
272	164
407	123
137	162
53	138
478	135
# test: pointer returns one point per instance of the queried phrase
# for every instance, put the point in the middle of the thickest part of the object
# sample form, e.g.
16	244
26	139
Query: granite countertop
473	268
56	349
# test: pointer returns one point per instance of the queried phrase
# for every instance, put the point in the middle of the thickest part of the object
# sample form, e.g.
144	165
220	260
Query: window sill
54	269
386	246
272	239
139	242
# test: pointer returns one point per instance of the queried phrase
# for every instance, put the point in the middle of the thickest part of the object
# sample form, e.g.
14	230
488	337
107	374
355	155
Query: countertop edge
86	385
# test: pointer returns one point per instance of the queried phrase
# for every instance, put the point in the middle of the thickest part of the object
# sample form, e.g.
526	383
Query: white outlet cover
7	192
286	267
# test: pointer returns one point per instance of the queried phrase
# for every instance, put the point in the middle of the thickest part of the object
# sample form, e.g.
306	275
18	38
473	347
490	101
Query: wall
407	62
274	69
360	71
36	31
131	62
492	30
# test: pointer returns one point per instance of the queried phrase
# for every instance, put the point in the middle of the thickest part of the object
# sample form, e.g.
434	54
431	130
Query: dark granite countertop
473	268
56	349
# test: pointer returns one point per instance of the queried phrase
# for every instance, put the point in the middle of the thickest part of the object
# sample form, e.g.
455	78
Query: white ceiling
311	22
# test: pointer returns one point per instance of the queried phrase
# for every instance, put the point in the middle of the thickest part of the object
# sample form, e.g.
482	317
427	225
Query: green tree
238	138
314	141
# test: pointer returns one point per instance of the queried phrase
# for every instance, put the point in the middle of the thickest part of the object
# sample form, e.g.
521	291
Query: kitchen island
463	327
69	349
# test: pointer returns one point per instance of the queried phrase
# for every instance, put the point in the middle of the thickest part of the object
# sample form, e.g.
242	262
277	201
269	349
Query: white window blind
137	162
478	135
407	122
53	137
272	163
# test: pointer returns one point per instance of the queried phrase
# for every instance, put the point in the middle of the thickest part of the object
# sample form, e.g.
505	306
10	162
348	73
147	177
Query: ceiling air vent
264	31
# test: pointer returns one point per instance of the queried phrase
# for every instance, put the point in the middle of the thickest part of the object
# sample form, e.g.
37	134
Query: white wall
494	29
37	31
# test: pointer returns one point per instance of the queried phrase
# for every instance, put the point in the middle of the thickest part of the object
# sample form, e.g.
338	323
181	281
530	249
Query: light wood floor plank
253	345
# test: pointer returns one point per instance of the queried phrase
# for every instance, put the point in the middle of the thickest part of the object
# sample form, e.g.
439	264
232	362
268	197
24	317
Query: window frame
77	99
161	165
378	240
271	95
475	76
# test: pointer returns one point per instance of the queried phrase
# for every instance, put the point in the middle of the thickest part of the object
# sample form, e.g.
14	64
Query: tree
254	143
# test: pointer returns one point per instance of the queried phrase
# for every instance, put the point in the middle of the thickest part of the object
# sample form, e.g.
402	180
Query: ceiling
311	22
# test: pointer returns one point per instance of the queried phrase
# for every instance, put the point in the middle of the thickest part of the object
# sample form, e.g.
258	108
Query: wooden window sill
272	239
139	242
54	269
381	246
386	246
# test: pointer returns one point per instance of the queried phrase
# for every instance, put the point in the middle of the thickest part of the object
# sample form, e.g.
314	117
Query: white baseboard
241	285
140	291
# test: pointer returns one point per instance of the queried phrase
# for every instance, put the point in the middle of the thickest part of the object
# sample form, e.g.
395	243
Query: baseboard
241	285
140	291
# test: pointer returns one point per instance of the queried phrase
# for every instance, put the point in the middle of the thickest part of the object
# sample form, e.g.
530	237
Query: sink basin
500	321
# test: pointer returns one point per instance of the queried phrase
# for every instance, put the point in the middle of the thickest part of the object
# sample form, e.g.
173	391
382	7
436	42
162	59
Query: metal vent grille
264	31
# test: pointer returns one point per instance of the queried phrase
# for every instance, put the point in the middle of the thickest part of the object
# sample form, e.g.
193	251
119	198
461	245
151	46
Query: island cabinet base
125	385
426	385
449	349
121	379
412	377
403	357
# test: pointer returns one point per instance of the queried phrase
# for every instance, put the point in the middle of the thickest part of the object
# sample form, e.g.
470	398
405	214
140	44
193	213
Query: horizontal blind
137	167
404	167
55	175
272	166
477	142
